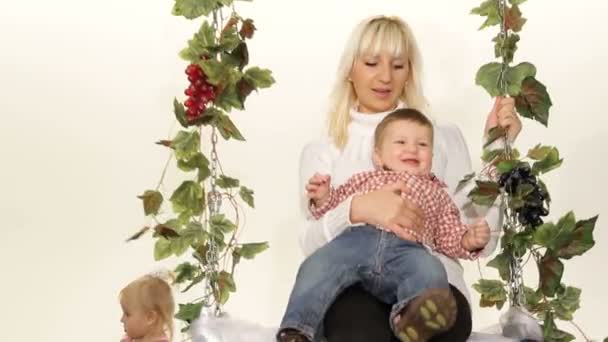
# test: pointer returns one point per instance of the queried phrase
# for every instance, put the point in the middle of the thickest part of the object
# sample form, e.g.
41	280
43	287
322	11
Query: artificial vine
193	220
516	181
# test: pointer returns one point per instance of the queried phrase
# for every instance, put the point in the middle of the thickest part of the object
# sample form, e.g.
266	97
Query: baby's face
406	146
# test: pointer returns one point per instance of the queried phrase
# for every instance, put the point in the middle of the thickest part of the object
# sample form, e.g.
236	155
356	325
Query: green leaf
226	280
229	39
492	292
516	75
200	162
488	76
533	300
188	197
581	241
186	144
180	245
567	303
524	190
247	196
186	272
533	102
192	9
522	242
224	295
489	9
239	57
162	249
229	98
221	223
539	152
506	165
501	263
196	280
189	312
180	113
209	116
552	334
485	193
152	201
514	21
550	272
505	47
554	237
216	71
516	2
250	250
550	162
195	232
201	44
227	128
226	182
259	78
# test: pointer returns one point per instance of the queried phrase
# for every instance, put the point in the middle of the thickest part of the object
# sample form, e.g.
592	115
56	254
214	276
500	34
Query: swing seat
228	329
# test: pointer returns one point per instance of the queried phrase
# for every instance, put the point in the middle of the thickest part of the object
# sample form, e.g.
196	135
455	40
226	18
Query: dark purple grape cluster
533	209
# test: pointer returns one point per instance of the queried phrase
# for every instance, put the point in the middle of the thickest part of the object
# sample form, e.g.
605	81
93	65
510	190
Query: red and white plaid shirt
443	228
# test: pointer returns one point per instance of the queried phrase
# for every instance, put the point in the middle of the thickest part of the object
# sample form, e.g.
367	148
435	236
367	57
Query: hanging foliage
515	180
192	220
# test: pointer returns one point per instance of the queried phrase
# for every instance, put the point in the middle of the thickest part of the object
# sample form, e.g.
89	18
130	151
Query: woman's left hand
504	115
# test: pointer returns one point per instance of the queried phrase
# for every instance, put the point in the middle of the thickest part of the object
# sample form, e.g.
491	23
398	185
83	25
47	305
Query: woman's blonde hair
152	293
374	35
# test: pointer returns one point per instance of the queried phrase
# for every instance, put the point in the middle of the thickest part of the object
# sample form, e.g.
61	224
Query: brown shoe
432	312
291	335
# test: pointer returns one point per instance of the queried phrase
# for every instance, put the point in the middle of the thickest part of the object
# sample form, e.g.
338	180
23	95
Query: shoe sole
431	313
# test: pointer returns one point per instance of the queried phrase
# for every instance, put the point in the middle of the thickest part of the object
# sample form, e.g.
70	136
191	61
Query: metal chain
214	203
516	280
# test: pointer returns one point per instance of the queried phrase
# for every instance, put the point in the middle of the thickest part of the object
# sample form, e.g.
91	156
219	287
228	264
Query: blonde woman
380	71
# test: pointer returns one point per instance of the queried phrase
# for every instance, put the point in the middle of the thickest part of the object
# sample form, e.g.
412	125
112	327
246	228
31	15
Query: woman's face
379	81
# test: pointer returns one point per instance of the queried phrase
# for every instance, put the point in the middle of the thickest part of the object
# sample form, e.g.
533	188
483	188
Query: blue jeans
392	269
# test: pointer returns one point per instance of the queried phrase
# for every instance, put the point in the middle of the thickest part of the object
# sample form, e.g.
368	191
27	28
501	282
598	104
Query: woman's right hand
386	208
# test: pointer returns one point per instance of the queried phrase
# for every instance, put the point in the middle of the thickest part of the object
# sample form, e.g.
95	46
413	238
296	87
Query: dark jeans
357	316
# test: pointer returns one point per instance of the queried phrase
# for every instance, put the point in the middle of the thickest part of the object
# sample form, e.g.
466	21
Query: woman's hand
386	208
503	114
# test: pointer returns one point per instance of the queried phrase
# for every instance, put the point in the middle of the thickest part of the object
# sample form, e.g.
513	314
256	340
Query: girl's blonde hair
374	35
152	293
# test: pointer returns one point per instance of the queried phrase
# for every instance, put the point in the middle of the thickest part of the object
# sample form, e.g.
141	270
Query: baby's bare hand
318	187
477	237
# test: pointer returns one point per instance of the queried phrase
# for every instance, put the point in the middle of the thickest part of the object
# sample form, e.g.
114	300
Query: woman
380	70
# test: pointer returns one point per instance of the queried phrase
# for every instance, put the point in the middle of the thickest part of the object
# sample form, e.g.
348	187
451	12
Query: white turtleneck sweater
451	162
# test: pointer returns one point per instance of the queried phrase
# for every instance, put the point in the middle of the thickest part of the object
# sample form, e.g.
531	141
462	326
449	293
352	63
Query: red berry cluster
199	93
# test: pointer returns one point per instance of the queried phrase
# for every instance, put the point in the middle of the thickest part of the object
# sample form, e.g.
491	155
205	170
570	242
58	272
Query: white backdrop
87	88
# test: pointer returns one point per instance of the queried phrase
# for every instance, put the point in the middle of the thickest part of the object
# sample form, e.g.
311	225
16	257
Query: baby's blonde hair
374	35
152	293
